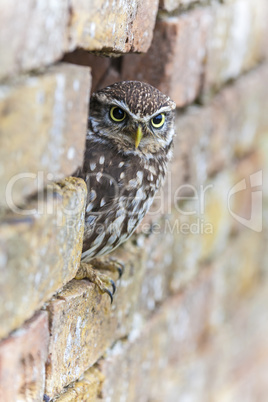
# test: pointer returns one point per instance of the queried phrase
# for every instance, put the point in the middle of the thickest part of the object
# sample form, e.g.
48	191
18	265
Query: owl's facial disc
138	129
133	116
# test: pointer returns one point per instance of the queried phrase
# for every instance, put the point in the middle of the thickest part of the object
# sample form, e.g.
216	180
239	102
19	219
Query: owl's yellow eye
158	121
117	114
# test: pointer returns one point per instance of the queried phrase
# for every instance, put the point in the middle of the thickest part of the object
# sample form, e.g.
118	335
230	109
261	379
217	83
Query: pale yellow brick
177	354
242	346
40	251
246	199
238	41
262	151
43	129
159	250
237	272
87	388
227	209
31	35
22	361
201	226
147	364
83	323
112	26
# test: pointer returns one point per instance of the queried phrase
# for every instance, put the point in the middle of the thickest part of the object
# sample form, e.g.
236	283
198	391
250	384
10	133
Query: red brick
99	66
22	361
174	62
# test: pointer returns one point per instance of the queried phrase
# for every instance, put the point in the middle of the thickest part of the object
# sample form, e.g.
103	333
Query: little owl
128	146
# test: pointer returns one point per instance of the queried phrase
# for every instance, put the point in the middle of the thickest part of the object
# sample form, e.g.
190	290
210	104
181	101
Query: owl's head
133	116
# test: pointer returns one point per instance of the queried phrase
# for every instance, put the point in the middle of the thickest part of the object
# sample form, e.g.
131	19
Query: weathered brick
237	272
22	361
112	26
172	5
139	369
262	151
87	388
247	193
52	29
174	62
176	353
31	35
158	245
227	209
210	138
43	128
200	226
83	324
40	251
243	348
244	104
237	41
99	65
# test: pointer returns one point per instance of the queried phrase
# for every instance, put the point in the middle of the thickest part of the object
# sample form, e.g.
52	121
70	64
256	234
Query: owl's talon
109	264
86	271
120	268
110	294
120	272
113	286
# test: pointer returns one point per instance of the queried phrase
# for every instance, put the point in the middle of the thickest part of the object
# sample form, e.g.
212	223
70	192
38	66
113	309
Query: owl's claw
106	290
120	272
113	286
118	266
109	264
86	271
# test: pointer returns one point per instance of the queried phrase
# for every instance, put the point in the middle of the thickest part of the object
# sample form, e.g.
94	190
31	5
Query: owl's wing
101	174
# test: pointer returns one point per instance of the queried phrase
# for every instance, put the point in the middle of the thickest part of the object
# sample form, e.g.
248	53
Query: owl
128	145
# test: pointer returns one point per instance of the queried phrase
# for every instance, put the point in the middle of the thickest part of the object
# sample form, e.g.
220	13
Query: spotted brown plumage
125	161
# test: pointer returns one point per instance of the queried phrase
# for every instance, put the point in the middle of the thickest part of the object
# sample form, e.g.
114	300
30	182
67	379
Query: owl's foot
108	264
102	281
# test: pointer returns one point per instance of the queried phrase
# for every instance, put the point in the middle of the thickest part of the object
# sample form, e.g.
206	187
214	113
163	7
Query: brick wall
189	320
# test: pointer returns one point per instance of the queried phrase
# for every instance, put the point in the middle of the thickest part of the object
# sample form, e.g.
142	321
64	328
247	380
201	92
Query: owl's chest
121	189
137	181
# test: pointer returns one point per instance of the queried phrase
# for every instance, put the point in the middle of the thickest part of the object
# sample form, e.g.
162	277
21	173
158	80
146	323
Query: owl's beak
138	137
